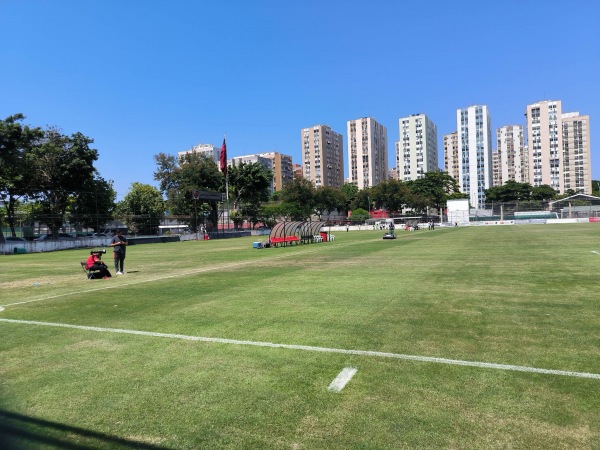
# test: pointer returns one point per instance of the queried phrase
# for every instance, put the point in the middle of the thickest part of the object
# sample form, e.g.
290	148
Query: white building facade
474	133
208	150
417	149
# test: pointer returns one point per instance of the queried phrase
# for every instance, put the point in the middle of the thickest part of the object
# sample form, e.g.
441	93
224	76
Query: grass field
201	375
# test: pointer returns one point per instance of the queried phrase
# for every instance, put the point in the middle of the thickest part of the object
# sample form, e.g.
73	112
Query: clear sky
142	77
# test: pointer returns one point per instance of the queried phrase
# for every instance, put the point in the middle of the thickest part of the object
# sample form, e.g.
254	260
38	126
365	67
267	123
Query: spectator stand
284	233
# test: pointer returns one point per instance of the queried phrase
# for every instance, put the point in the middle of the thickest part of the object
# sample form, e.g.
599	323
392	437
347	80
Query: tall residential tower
474	130
322	156
417	150
367	152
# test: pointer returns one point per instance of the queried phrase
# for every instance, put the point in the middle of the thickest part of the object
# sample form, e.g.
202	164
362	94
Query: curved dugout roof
283	229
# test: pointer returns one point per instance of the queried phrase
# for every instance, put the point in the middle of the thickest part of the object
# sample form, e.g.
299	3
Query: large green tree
511	191
142	208
249	185
359	216
61	166
350	190
93	204
362	199
298	197
180	177
328	199
391	195
543	192
16	176
432	190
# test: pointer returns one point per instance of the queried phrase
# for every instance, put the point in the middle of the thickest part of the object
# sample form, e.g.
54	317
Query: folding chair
88	273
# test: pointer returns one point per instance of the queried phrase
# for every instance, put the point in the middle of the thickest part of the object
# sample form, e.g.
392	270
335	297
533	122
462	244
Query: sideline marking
594	251
456	362
342	379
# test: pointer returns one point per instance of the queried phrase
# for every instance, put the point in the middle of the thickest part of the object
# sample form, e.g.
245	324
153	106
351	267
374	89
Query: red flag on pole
223	158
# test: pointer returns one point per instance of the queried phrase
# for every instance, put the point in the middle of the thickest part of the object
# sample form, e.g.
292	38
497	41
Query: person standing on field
119	244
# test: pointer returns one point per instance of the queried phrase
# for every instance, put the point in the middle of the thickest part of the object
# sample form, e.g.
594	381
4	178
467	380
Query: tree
391	195
359	215
596	188
142	208
299	198
94	204
350	190
269	213
511	191
543	193
179	178
61	165
362	199
432	190
250	184
16	141
328	199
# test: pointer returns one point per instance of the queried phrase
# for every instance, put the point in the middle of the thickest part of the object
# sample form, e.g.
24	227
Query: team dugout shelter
288	233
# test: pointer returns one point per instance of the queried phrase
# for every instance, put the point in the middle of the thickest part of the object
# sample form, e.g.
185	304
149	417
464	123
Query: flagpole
227	196
223	167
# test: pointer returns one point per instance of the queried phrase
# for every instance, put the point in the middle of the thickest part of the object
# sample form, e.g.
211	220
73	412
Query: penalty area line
342	379
456	362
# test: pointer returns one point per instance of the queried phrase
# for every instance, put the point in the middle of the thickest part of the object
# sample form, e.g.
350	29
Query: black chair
90	274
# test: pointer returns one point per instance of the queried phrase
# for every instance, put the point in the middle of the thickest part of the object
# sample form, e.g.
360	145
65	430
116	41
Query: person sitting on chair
95	263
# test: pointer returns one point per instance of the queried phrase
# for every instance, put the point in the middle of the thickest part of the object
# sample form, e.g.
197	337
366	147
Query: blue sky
142	77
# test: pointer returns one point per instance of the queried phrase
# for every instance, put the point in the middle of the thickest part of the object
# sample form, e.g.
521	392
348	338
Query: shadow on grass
19	432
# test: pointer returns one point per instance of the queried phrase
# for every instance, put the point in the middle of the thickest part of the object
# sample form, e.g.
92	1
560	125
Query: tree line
54	176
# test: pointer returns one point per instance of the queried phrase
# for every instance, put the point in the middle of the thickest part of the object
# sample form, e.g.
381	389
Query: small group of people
431	225
94	262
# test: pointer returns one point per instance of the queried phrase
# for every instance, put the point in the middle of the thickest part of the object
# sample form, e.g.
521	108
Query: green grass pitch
200	375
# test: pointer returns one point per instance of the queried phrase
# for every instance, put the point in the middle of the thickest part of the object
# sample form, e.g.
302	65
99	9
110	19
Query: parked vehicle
60	237
14	239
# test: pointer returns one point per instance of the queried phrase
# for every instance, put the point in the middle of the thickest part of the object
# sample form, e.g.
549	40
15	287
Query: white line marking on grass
594	251
342	379
178	275
456	362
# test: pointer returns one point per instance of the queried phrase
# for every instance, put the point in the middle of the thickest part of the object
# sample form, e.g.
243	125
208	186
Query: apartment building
298	170
322	156
208	150
417	149
267	163
474	130
512	158
452	155
283	170
367	152
496	169
577	170
544	136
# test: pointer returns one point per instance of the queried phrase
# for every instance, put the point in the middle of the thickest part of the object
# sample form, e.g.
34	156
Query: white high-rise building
208	150
417	149
474	130
367	152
